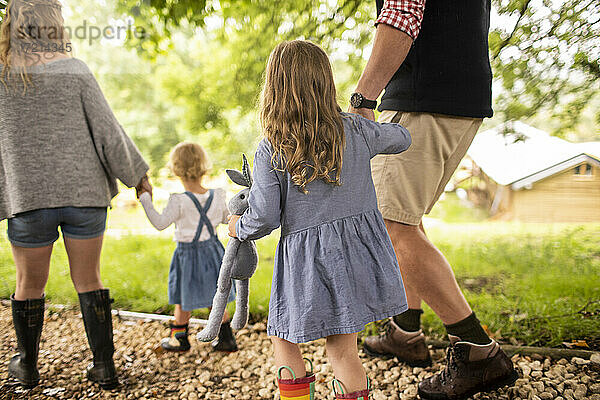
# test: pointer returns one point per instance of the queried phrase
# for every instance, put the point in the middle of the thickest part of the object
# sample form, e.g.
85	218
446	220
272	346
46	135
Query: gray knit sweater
60	144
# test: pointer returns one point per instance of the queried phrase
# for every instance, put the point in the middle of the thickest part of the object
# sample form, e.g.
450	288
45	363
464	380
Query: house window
583	170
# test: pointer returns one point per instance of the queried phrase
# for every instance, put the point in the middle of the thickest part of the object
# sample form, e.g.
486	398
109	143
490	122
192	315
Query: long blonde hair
300	116
29	25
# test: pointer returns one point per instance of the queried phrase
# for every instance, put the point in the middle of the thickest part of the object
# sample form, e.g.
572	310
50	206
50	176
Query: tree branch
507	41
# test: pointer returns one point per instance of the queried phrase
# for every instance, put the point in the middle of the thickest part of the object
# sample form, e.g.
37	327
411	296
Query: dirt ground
246	374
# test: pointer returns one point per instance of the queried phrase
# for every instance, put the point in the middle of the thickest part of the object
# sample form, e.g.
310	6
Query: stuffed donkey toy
239	263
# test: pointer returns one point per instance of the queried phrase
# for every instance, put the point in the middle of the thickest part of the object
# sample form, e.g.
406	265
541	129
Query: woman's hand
232	221
143	186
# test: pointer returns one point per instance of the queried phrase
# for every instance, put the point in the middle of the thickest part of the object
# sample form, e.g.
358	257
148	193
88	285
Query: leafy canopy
204	61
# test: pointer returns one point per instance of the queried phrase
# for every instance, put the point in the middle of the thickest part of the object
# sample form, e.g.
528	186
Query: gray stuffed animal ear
243	178
246	170
237	177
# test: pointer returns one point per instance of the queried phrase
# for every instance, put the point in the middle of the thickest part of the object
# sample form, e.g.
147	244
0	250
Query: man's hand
365	112
232	221
143	186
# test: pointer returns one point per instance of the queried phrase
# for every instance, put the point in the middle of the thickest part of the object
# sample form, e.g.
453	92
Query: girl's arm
383	138
169	215
264	201
117	152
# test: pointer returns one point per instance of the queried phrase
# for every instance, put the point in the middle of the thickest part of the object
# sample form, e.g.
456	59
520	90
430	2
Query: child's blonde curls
189	161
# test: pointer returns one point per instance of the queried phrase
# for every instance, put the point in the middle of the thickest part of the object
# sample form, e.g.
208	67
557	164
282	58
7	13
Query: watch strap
370	104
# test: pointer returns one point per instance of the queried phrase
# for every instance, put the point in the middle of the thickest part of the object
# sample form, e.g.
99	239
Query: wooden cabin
533	178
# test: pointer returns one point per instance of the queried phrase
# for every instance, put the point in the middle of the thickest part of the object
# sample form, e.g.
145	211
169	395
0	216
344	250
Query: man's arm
397	27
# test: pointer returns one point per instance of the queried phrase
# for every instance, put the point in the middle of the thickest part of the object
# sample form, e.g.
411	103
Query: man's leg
426	275
412	298
410	320
426	271
408	185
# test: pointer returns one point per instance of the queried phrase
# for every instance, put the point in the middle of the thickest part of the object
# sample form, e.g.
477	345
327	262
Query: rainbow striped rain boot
360	395
177	340
296	388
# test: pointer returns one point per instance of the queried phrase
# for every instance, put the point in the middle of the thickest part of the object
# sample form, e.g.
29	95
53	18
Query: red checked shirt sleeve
405	15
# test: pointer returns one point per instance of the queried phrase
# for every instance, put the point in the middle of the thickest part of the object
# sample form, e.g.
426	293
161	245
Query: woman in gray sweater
61	151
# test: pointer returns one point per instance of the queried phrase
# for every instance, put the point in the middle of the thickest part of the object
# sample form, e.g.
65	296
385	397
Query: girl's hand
365	112
232	221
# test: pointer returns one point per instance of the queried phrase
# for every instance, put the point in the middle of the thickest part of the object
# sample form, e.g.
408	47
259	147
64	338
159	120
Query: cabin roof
533	157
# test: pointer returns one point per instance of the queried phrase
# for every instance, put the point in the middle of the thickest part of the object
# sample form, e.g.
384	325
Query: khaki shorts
410	183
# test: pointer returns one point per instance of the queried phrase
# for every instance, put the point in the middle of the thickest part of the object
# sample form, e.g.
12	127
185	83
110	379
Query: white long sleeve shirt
181	211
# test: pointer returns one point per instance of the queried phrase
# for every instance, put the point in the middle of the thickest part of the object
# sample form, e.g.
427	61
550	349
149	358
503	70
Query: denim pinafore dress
195	266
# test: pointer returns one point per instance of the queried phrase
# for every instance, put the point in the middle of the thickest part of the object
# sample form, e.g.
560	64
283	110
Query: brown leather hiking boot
470	369
407	347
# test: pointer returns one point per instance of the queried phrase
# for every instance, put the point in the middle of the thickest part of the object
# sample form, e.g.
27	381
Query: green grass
526	282
451	209
135	267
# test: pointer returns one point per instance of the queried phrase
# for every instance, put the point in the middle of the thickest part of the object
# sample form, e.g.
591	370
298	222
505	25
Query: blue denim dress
335	268
195	266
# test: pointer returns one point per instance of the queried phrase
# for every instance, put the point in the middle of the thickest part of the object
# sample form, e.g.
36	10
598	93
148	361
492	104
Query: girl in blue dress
195	266
335	269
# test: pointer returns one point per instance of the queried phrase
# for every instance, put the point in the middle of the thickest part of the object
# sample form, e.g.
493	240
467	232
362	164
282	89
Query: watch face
356	100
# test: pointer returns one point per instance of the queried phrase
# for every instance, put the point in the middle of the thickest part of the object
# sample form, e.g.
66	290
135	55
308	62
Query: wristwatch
357	100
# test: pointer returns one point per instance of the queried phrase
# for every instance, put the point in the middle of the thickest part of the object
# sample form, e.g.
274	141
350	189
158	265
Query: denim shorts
39	228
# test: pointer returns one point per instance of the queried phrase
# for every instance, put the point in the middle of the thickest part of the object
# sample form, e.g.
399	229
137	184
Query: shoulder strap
209	200
204	221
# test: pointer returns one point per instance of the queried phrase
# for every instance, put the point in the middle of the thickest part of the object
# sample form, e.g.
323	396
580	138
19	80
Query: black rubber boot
226	340
177	340
28	319
97	318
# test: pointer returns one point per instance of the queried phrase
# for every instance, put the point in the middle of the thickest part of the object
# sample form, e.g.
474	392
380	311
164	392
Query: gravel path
247	374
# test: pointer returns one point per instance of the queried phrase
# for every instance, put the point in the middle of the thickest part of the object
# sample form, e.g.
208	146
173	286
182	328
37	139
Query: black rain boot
226	340
177	340
97	318
28	320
